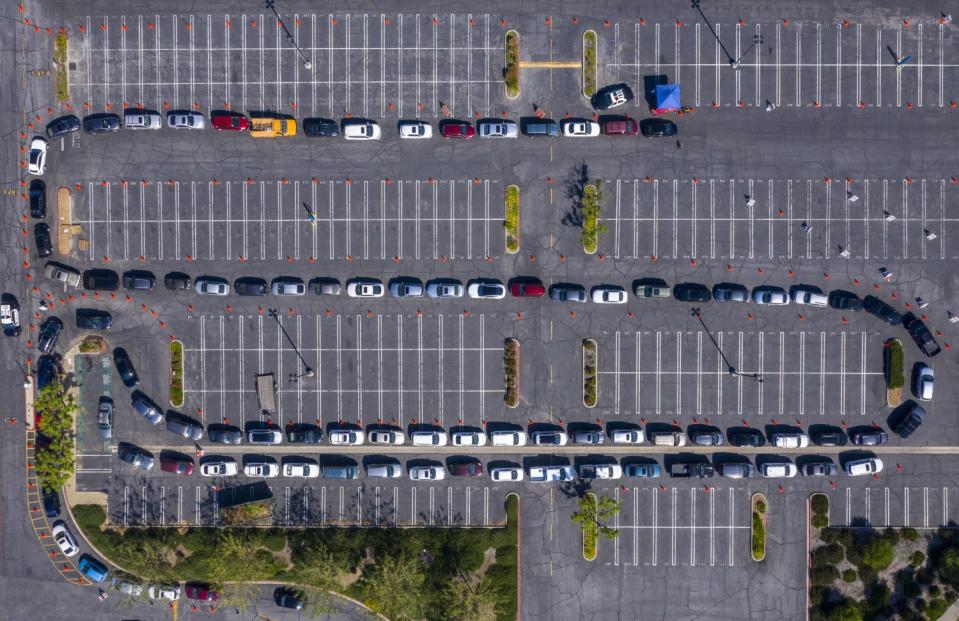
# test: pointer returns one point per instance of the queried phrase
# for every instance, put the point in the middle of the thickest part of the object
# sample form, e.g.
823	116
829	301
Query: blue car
643	471
94	570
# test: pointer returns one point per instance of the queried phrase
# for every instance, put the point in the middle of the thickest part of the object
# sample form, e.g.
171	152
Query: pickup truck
698	469
552	473
10	318
271	127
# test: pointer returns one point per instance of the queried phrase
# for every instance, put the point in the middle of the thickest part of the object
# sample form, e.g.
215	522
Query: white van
667	438
507	438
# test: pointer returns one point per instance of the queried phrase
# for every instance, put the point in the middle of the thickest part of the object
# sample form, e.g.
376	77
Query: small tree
878	554
56	463
464	601
949	566
593	515
394	588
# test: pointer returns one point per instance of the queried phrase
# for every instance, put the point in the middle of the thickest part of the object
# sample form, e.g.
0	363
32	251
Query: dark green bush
911	589
849	575
820	520
909	534
917	558
824	575
936	608
878	553
819	504
829	554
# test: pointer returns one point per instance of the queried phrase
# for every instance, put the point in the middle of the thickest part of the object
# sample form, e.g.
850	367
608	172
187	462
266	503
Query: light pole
289	35
307	370
729	366
757	40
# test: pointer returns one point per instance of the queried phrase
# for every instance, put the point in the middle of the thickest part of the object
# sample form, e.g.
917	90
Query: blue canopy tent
667	98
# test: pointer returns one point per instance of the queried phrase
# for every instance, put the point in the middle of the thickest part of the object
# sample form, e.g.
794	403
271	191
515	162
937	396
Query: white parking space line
896	507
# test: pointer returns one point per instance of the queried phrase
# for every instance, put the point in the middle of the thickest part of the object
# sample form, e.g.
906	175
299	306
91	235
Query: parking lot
367	64
167	220
764	219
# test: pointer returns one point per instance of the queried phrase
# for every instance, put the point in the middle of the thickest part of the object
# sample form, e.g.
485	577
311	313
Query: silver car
185	428
444	288
105	417
384	471
287	285
211	285
142	120
772	296
185	119
923	382
497	129
148	410
406	288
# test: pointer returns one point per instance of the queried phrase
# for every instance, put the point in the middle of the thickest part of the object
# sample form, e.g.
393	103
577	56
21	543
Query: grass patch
511	72
589	63
512	219
92	345
590	536
591	206
60	66
176	373
759	528
434	559
589	373
894	368
511	369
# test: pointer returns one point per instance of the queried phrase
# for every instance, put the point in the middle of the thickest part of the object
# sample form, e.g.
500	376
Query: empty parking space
779	219
883	505
371	65
291	220
383	368
809	375
798	64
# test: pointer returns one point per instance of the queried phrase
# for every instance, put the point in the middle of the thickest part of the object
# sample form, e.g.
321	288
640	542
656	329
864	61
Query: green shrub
274	540
511	72
849	575
589	63
917	558
848	610
758	537
511	224
829	554
891	535
909	534
951	596
895	377
842	536
878	554
920	604
935	591
819	504
760	506
948	565
60	66
823	575
591	206
820	521
936	608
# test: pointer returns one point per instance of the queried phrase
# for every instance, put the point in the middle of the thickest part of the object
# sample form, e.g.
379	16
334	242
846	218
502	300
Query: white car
65	539
923	382
185	120
61	273
552	473
415	130
486	289
469	438
497	129
608	294
444	288
507	437
38	156
777	470
427	473
579	128
389	437
809	296
288	286
261	469
221	467
773	296
627	436
365	288
506	474
864	466
428	438
600	471
549	438
301	470
347	437
790	439
126	586
360	129
211	286
167	592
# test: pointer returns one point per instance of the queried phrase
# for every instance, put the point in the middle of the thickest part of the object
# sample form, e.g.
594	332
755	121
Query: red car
620	126
527	289
201	593
466	469
231	121
176	466
458	129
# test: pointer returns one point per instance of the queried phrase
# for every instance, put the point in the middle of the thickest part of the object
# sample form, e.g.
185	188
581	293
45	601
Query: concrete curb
519	558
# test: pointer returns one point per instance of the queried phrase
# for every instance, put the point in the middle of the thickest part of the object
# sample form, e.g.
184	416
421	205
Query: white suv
428	438
361	129
507	438
861	467
777	470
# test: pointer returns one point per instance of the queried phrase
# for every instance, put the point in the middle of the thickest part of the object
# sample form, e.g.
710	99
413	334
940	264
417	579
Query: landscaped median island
589	373
511	224
60	66
402	573
591	207
819	504
176	373
55	408
589	63
511	369
511	70
592	516
758	527
893	364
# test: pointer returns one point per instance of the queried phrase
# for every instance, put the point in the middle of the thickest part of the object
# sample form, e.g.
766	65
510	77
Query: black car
909	420
125	367
224	434
921	335
831	436
697	469
691	292
314	126
657	128
730	292
567	292
62	126
139	280
47	370
100	279
824	468
869	437
746	436
304	434
706	437
250	285
51	503
880	309
101	123
42	240
288	598
38	199
612	96
49	333
177	281
93	319
845	300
